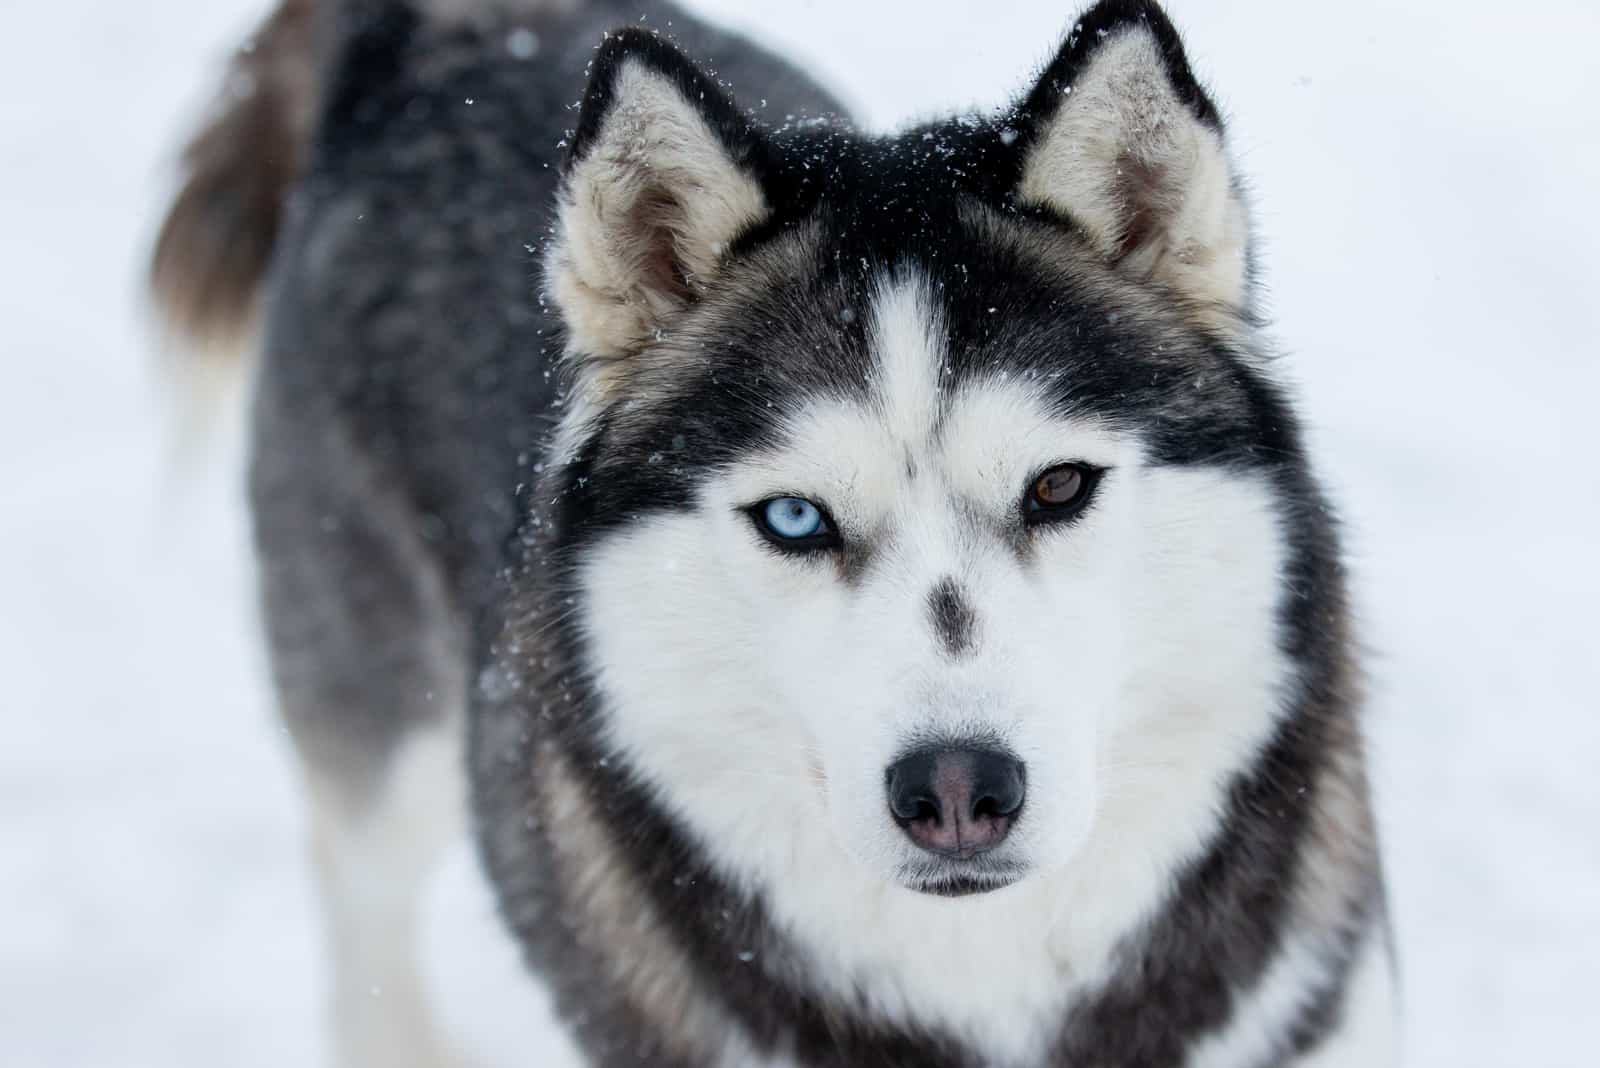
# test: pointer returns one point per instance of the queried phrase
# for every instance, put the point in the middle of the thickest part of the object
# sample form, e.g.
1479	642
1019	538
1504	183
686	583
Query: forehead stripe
908	347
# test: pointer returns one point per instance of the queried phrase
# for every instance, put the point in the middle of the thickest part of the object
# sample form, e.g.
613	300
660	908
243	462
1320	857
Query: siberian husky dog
871	589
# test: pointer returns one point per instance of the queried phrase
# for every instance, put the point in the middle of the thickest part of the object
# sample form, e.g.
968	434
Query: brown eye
1059	493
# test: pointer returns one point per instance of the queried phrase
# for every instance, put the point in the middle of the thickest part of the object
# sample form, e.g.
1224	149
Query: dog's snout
956	802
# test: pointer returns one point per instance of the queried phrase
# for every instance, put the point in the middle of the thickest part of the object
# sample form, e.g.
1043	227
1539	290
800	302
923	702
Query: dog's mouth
962	878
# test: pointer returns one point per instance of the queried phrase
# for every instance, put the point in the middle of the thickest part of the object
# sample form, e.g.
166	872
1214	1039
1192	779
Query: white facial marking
907	334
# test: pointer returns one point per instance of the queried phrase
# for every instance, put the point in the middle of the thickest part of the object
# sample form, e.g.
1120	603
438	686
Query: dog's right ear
661	177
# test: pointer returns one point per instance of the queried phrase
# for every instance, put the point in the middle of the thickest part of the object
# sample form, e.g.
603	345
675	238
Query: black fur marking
952	617
907	202
1146	372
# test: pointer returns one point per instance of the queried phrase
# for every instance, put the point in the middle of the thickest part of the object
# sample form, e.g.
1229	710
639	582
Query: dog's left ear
1122	141
662	176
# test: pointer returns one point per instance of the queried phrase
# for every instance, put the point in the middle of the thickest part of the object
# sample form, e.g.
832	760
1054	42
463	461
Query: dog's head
918	496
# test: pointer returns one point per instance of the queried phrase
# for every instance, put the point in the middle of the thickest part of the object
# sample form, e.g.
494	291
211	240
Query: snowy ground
1425	178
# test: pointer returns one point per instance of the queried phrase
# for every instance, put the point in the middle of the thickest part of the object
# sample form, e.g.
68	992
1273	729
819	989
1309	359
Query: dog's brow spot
952	617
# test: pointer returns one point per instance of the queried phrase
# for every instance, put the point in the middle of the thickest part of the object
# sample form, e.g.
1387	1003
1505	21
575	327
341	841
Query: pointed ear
1124	142
661	178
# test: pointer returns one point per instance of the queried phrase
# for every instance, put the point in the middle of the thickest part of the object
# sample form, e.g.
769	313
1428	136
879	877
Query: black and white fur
520	514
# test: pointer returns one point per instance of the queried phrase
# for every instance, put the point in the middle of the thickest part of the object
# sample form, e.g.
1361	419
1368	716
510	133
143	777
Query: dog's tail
218	238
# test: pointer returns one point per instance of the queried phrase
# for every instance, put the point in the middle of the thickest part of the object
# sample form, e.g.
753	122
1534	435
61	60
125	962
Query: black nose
956	802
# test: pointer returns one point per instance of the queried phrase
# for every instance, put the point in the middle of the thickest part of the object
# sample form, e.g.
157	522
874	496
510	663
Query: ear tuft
660	180
1126	144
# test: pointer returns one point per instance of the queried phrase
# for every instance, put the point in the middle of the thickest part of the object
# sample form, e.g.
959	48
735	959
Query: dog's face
911	516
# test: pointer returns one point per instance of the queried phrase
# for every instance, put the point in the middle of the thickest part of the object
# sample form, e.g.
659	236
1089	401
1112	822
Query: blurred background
1424	177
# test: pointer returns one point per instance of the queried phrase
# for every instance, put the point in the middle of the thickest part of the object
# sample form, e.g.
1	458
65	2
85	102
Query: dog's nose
956	802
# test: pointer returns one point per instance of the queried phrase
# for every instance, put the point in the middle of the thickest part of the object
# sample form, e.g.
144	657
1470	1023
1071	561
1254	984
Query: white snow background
1425	179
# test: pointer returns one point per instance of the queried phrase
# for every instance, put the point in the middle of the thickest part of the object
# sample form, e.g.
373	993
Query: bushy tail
217	241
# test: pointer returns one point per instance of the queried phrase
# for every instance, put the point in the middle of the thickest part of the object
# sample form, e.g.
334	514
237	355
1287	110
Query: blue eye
793	522
792	518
